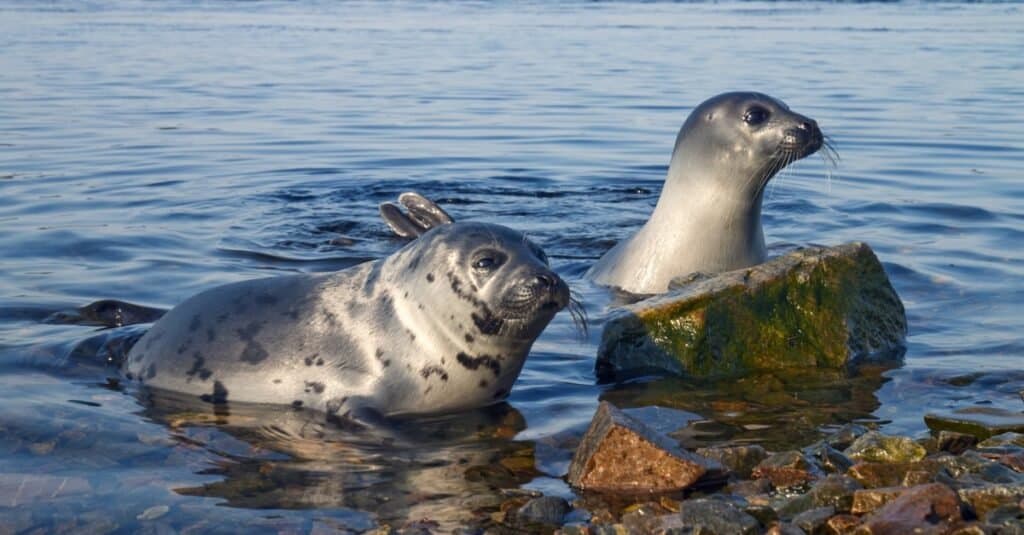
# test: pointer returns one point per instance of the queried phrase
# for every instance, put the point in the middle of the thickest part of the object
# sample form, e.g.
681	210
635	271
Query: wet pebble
787	469
813	521
542	510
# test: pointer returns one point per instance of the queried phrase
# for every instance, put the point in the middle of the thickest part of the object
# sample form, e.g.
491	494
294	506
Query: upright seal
443	324
708	218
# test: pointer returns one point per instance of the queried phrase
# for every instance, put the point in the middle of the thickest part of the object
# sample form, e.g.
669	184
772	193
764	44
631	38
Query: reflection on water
153	150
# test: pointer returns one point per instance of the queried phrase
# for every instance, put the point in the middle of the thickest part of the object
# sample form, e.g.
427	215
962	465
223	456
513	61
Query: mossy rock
826	307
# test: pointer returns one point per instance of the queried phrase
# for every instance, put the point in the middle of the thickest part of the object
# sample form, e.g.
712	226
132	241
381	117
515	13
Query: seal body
708	217
443	324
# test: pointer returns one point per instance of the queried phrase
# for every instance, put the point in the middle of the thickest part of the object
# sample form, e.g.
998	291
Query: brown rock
621	454
872	475
985	498
841	524
787	469
868	500
740	460
924	509
955	443
784	529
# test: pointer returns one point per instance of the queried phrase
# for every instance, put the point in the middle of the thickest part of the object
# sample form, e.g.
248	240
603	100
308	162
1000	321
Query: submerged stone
715	516
815	307
982	422
543	510
787	469
621	454
739	460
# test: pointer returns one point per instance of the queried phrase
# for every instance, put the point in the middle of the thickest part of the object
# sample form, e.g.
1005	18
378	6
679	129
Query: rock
955	443
876	447
982	422
868	500
621	454
836	491
986	498
845	435
543	510
830	459
974	468
930	508
784	529
787	469
841	524
813	521
1014	461
716	516
873	475
1002	440
749	487
739	460
815	307
1006	516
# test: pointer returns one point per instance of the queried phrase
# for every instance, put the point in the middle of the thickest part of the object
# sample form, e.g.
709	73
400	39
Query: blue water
150	150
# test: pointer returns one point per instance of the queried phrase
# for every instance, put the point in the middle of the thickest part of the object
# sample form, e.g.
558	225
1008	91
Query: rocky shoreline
854	481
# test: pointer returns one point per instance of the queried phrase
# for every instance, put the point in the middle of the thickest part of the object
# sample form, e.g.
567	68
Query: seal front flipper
424	211
423	215
400	223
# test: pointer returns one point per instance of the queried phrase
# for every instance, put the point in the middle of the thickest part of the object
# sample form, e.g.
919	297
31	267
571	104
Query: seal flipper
423	215
424	211
398	222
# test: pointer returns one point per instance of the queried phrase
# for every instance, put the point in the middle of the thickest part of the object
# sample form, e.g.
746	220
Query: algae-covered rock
815	307
876	447
621	454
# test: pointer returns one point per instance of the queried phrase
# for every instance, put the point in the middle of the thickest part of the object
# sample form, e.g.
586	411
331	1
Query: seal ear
423	215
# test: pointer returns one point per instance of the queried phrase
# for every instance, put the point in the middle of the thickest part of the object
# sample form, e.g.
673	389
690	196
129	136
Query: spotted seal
443	324
708	217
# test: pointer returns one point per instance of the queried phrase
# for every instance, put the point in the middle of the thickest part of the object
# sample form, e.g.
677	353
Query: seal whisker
578	314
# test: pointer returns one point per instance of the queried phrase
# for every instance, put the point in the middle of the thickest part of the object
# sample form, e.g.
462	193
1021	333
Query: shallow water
152	150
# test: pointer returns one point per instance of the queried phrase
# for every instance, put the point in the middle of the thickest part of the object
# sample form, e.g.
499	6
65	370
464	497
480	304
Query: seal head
708	217
443	324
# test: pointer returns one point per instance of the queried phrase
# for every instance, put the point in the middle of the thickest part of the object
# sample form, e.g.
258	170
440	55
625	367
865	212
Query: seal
708	217
443	324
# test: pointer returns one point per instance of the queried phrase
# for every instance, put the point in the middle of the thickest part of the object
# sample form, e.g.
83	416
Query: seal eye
488	260
755	116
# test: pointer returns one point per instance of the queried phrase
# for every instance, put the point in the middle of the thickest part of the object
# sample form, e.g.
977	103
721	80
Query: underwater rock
787	469
982	422
621	454
715	516
740	460
815	307
955	443
813	521
543	510
876	447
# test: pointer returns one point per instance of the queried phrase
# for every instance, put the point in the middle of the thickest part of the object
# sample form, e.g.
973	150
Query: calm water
150	150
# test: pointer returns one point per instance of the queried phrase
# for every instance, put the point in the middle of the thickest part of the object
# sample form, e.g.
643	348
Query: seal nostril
546	280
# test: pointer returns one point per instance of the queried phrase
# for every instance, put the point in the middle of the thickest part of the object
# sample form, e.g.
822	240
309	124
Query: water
152	150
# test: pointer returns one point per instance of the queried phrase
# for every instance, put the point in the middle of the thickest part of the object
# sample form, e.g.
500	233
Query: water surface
152	150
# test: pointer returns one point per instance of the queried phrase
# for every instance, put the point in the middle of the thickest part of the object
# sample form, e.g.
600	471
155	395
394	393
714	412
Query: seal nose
547	280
